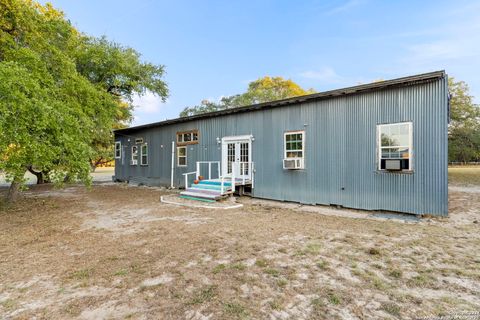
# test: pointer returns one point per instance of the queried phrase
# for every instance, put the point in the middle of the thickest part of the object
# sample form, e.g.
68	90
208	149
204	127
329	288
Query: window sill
394	172
181	144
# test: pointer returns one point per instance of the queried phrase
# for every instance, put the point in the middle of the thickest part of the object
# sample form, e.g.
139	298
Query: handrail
186	178
240	166
209	168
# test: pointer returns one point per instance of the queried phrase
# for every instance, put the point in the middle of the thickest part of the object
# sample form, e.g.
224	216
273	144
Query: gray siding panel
340	154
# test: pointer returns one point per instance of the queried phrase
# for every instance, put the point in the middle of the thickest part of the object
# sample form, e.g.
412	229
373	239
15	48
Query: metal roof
404	81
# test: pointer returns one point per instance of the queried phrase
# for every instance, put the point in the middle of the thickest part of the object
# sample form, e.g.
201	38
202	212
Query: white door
236	156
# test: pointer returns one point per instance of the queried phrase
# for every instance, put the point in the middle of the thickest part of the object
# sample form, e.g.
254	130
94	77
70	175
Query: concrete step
204	194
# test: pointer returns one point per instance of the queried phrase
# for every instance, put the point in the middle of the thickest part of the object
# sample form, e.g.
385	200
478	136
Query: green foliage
259	91
61	92
464	128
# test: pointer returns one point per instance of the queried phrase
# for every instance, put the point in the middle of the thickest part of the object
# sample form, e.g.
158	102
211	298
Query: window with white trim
394	142
118	149
144	154
294	144
134	160
181	156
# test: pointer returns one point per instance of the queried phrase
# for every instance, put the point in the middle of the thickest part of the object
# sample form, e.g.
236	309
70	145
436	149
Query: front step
197	199
207	190
203	194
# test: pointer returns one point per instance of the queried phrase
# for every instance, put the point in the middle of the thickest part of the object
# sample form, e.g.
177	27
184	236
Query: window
182	156
395	146
134	160
144	154
294	144
138	140
118	149
187	137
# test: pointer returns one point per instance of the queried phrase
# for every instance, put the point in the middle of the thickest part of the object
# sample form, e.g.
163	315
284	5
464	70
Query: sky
213	48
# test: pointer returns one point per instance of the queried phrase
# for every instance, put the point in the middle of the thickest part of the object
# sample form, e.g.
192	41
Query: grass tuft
204	295
219	268
82	274
262	263
235	309
392	308
271	271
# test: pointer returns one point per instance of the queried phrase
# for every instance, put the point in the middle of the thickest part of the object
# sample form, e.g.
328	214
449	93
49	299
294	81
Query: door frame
236	139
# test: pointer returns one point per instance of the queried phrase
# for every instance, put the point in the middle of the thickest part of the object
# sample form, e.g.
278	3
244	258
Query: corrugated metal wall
340	153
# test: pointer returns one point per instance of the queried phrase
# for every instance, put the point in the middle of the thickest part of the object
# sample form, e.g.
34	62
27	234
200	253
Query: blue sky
214	48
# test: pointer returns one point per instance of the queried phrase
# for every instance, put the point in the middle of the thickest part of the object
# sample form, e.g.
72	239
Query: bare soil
116	252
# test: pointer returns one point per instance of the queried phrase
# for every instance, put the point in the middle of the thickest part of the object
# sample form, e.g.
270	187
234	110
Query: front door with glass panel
236	157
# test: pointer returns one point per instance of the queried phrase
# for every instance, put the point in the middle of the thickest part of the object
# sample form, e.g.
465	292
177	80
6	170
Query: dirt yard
117	252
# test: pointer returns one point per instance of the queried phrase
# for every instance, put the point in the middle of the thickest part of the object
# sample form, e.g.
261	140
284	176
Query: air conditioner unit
393	165
293	163
133	162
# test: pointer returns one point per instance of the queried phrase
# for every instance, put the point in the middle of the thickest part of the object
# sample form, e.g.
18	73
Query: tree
464	128
58	101
118	71
265	89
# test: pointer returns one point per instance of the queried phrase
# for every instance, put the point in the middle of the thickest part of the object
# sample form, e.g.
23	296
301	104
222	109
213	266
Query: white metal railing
210	163
186	177
246	171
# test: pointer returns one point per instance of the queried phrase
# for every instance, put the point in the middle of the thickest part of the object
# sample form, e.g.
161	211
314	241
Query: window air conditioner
133	162
293	163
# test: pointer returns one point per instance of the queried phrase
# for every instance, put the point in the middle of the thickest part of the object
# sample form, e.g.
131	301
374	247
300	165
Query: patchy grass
235	309
310	249
238	266
8	304
115	252
322	264
121	272
275	305
262	263
392	308
271	271
219	268
395	273
82	274
282	282
333	298
464	175
204	295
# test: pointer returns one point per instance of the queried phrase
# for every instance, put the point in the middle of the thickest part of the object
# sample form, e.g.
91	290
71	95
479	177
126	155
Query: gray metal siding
340	150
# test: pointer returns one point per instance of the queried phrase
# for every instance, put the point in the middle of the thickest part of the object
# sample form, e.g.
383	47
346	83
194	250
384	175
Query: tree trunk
93	166
39	175
13	191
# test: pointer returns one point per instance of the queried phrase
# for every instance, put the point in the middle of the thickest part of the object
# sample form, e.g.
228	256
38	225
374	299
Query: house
377	146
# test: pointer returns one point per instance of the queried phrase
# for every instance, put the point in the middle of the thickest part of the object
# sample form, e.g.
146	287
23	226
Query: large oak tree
61	93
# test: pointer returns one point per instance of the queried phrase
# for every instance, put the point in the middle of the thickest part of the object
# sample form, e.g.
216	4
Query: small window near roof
144	154
294	144
187	137
394	142
182	156
118	149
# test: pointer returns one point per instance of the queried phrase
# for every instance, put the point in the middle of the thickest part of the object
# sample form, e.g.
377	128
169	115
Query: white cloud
324	75
148	103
